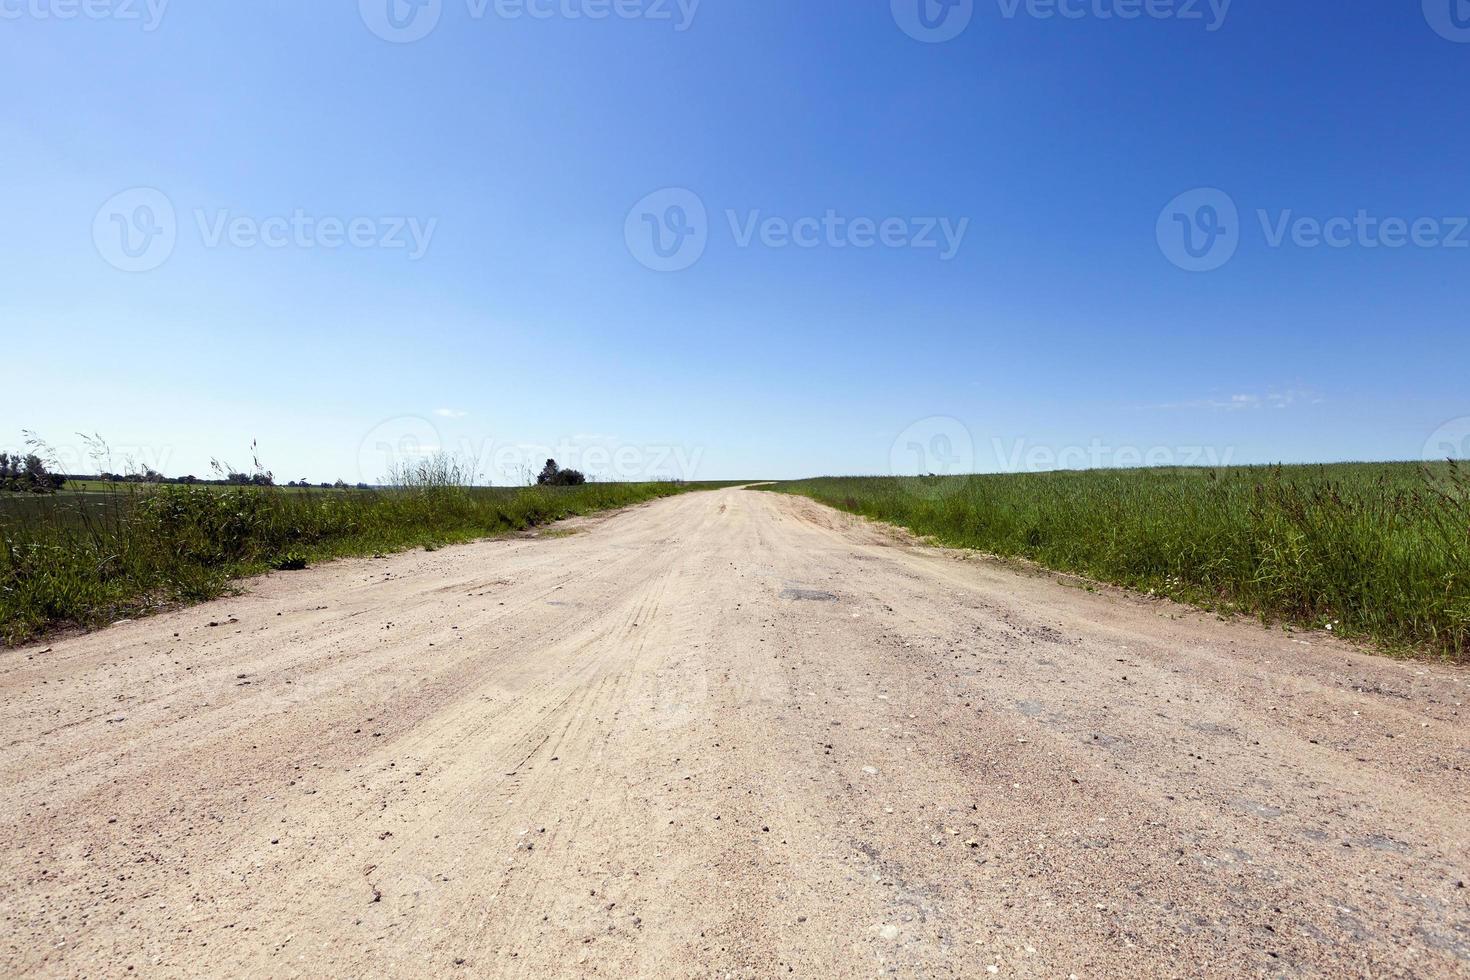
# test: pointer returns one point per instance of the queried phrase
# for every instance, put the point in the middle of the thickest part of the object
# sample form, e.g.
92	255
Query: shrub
291	561
28	474
554	476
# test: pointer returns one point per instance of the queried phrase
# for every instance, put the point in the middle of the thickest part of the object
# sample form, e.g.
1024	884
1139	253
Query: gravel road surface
732	733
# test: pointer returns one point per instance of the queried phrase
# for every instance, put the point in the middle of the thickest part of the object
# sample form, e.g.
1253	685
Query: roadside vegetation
1378	551
27	474
88	556
552	475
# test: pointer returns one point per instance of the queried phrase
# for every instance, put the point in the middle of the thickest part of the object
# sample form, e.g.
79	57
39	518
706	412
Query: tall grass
1376	550
88	558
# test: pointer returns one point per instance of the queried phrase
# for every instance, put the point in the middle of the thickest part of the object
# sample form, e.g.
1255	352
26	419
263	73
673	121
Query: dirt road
733	734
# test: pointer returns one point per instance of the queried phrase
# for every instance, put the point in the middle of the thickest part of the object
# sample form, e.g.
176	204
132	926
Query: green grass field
1379	551
96	552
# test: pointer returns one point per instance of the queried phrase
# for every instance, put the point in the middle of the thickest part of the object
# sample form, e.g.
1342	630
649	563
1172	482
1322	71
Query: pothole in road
808	595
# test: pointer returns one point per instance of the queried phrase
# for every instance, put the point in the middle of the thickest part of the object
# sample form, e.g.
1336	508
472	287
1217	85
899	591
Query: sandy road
731	733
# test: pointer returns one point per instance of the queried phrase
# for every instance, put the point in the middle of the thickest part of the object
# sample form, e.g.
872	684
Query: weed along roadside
86	558
1379	551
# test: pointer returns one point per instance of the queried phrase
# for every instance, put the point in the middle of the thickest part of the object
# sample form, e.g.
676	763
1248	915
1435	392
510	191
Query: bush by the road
87	558
552	475
1375	550
27	474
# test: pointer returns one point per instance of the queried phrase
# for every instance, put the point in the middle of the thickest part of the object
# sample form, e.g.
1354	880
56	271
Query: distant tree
28	474
552	475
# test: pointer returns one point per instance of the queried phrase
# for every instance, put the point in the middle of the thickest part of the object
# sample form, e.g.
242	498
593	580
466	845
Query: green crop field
1380	551
95	552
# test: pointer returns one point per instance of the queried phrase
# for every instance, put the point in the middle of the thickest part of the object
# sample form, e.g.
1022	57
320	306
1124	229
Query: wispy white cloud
1251	401
450	413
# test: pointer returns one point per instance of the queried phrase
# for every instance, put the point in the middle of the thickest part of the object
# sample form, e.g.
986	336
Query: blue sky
530	153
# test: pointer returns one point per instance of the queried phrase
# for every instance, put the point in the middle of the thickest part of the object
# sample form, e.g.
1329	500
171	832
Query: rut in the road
726	733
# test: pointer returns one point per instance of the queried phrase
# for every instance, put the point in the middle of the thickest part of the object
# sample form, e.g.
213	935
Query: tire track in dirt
729	733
